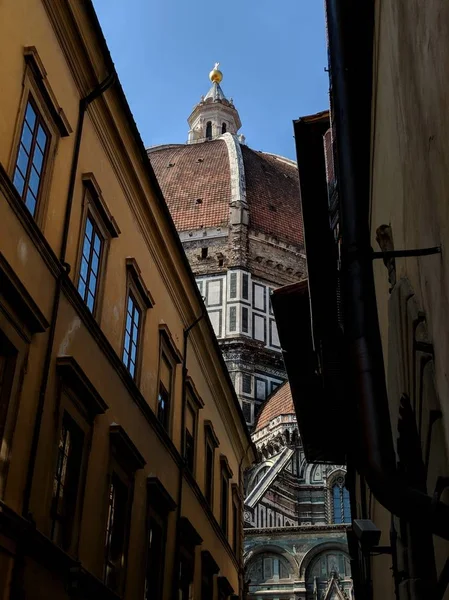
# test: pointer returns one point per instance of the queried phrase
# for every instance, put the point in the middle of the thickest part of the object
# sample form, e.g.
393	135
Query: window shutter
244	319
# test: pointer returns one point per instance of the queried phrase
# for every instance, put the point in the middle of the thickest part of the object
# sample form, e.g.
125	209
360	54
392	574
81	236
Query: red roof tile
197	185
272	193
279	403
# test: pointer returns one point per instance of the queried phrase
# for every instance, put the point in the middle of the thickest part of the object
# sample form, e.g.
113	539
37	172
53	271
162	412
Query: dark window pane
244	319
209	473
246	383
116	533
235	526
65	481
246	408
245	286
224	503
163	406
156	560
190	451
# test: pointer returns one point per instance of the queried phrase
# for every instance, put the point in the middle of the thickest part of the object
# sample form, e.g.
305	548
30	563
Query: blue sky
272	54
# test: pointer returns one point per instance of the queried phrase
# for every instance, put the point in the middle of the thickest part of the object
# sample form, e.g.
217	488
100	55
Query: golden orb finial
215	75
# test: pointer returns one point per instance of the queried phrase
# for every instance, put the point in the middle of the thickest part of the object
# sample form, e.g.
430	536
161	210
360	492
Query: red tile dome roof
279	403
196	182
272	193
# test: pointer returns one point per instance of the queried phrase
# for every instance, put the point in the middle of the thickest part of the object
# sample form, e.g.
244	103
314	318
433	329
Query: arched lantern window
209	130
223	128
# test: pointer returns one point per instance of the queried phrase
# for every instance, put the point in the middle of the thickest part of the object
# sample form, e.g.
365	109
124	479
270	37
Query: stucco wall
410	188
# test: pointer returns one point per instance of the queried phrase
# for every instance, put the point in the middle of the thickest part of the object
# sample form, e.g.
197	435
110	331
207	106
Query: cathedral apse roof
279	403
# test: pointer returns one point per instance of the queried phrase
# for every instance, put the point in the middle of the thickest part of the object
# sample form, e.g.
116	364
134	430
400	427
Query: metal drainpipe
182	467
84	103
377	457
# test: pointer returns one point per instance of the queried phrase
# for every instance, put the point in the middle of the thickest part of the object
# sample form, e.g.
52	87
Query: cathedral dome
200	182
238	214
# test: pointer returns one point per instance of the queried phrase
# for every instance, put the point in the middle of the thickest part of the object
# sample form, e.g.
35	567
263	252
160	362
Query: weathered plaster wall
410	190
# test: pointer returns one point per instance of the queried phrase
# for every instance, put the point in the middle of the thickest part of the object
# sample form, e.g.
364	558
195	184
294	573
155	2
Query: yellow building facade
122	441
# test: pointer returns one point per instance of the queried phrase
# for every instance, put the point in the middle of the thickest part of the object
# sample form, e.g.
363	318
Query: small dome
279	403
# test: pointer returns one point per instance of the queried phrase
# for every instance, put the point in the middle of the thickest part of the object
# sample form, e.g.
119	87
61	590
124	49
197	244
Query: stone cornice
248	531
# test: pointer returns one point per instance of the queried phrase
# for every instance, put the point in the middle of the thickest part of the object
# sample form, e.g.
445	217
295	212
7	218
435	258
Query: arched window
341	505
267	568
209	130
325	566
260	475
223	128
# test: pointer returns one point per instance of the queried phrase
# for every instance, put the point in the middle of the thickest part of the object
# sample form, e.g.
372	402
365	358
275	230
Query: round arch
317	550
266	464
270	549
